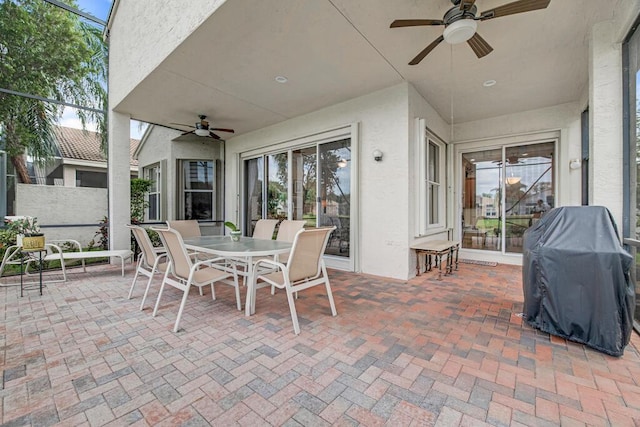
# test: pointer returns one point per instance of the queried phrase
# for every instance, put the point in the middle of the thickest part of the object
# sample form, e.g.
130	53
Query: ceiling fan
202	128
460	24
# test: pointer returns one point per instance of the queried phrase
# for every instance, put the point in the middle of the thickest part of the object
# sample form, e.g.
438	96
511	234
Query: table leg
250	303
21	262
40	272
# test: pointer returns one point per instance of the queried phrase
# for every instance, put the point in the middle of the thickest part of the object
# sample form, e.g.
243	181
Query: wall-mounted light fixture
377	155
574	164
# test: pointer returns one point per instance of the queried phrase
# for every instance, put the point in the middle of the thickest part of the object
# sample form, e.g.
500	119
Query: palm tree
47	53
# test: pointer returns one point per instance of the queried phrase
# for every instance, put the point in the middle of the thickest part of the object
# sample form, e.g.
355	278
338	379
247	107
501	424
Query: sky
99	9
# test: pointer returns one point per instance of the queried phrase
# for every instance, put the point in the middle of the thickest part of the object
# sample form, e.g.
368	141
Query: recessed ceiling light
281	79
489	83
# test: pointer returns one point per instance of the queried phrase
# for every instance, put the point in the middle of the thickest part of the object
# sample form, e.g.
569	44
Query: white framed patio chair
264	229
183	273
152	260
14	256
304	269
286	233
186	227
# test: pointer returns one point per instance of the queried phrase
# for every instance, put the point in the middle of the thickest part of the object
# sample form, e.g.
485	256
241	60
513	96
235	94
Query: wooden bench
437	249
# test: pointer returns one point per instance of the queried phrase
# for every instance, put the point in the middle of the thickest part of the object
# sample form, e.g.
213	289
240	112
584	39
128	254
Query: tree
48	52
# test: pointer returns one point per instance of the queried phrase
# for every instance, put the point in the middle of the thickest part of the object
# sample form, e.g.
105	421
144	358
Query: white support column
119	181
605	111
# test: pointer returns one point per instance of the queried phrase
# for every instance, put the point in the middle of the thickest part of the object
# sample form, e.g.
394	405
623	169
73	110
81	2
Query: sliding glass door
505	191
310	183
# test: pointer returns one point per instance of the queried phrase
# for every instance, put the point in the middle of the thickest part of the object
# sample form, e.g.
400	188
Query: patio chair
152	260
304	269
186	227
13	256
184	273
287	233
264	229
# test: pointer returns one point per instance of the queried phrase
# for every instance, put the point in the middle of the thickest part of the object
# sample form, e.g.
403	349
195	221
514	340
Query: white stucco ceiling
334	50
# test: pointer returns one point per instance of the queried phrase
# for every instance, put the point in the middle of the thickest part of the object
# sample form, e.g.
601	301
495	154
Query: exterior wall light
574	164
377	155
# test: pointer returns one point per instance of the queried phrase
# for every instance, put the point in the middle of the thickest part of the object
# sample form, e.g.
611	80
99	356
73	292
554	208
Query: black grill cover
575	278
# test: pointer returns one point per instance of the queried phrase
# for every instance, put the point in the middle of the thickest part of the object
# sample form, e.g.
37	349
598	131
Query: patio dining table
246	248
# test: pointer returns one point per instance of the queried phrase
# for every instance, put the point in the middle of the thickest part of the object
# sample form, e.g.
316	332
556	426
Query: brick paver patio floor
423	352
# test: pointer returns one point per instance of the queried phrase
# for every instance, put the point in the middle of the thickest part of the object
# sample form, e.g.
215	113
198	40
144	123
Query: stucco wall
382	118
58	205
564	118
141	37
159	147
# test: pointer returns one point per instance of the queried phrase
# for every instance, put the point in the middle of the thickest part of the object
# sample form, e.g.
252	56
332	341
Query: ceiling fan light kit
461	23
460	31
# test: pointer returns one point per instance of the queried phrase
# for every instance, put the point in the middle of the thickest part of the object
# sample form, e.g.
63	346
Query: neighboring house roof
80	144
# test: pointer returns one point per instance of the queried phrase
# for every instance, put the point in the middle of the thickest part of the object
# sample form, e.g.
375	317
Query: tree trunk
21	169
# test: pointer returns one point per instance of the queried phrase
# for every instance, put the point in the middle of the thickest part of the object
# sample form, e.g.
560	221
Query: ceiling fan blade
223	130
214	136
466	4
519	6
426	51
479	45
187	133
415	22
182	124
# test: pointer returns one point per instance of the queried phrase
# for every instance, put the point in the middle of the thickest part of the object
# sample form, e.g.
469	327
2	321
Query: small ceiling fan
460	24
202	128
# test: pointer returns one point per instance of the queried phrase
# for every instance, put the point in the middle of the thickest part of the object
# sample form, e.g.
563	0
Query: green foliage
49	52
25	225
154	237
231	226
103	234
139	187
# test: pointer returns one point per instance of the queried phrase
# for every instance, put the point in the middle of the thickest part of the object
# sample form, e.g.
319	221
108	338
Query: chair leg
146	290
294	314
237	286
164	279
329	293
135	277
213	291
184	300
200	289
64	269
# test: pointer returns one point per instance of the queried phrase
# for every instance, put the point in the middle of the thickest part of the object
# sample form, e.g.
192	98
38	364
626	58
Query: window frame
183	191
146	171
425	224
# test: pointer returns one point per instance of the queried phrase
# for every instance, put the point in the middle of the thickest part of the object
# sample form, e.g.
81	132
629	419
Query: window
432	184
152	173
91	179
198	178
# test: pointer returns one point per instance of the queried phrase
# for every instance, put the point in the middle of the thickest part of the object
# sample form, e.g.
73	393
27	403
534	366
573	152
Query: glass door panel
529	189
277	186
504	194
334	195
304	179
254	174
482	200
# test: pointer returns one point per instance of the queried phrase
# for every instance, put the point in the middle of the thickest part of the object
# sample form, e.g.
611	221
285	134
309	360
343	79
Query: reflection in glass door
277	186
335	195
506	190
254	179
303	175
319	190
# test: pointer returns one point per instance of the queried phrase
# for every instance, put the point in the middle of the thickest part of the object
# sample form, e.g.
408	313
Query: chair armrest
270	262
